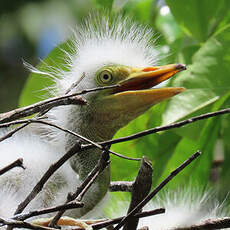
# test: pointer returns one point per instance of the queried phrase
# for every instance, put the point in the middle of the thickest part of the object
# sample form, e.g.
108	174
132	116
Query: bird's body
103	53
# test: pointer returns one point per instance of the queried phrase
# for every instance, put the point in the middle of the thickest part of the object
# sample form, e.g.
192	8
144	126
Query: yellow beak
135	94
137	86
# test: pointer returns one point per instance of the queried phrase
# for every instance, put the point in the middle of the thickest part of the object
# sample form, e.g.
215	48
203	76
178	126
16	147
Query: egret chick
104	52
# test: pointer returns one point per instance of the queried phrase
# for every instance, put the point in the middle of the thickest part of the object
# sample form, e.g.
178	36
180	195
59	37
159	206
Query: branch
30	214
121	186
39	120
86	184
219	223
75	83
22	224
141	188
157	189
48	104
12	132
166	127
41	106
144	228
117	220
17	163
53	168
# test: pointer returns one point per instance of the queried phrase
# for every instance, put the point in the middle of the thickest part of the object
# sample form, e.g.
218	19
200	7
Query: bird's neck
82	163
94	128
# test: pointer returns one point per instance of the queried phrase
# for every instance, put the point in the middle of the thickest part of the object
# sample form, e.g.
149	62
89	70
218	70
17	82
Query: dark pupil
106	76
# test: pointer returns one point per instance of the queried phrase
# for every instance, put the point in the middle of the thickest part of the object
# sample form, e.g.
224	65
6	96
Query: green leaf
147	146
199	171
199	19
224	139
37	84
167	25
206	80
167	143
207	136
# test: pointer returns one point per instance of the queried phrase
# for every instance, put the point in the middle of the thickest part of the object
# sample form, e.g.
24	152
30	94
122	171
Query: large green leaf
207	136
157	147
199	19
206	80
224	139
199	171
148	146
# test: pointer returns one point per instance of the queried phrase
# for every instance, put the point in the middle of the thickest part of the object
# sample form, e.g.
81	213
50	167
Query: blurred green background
193	32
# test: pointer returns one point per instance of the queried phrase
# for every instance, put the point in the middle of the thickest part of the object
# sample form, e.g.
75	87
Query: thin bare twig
39	120
124	157
141	188
17	163
99	168
67	99
144	228
83	188
12	132
158	188
71	205
117	220
22	224
75	84
218	223
121	186
166	127
40	106
53	168
42	112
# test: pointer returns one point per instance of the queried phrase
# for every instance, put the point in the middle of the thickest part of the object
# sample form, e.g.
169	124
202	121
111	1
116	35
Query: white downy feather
184	207
17	183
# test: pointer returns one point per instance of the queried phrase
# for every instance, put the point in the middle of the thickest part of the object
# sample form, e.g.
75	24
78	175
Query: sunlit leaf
199	19
206	80
199	171
147	146
207	136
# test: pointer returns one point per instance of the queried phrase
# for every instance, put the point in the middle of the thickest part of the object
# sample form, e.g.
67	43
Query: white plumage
96	43
17	183
184	207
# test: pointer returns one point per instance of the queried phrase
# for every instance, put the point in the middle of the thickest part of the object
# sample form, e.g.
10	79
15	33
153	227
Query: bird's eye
105	77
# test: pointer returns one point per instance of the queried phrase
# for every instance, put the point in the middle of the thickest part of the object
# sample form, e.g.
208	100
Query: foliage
196	33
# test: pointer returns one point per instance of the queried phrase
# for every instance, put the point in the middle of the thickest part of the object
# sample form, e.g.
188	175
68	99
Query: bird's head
134	93
117	52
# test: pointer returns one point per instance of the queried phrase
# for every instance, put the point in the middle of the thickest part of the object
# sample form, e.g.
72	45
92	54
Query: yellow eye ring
105	77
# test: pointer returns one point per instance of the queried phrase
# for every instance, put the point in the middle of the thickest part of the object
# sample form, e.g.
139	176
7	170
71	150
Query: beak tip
181	67
179	90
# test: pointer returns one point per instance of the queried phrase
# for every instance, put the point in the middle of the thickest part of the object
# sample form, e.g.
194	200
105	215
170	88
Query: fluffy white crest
97	42
101	41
